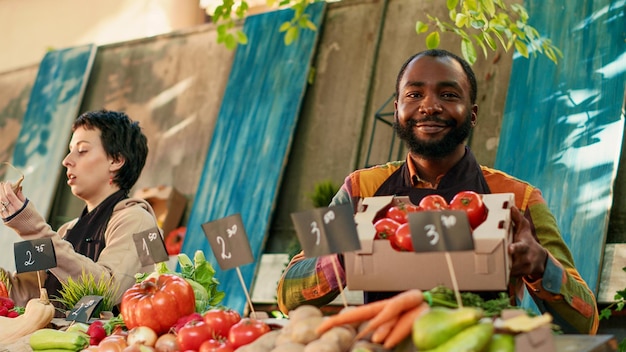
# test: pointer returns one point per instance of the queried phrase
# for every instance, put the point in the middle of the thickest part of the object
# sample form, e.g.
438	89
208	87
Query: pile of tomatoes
219	330
393	225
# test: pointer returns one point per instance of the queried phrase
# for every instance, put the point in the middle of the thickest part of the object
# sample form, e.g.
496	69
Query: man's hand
529	257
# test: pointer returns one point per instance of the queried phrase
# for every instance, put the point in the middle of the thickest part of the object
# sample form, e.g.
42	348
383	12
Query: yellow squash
38	313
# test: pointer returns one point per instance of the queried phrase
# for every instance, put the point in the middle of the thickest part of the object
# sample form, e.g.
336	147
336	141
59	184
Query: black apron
466	175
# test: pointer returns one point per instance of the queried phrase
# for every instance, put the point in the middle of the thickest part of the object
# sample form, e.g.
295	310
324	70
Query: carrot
395	306
404	326
355	315
380	334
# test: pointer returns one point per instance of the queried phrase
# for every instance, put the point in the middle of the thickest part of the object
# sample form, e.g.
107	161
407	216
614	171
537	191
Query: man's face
433	112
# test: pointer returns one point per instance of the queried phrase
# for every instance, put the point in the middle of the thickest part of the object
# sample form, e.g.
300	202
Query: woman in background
107	153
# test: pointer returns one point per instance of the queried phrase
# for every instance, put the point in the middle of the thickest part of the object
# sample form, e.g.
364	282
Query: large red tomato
385	228
219	320
401	240
191	336
433	202
157	302
472	203
246	331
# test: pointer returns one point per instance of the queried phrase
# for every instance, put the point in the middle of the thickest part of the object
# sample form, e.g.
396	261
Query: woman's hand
10	202
528	256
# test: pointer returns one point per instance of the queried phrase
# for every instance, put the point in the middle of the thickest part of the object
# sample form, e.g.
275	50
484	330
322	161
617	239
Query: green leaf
432	40
452	4
479	40
285	26
460	20
420	27
242	38
499	36
291	35
489	6
468	51
489	40
310	25
477	24
471	5
521	48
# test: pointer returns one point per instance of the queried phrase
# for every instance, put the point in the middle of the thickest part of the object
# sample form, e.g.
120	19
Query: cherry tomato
385	228
472	203
246	331
192	335
220	320
433	202
401	240
216	345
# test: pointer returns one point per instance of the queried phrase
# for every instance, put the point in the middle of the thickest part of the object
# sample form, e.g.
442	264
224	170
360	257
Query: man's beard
436	149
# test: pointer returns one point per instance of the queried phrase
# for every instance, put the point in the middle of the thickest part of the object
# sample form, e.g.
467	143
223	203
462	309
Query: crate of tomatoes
388	261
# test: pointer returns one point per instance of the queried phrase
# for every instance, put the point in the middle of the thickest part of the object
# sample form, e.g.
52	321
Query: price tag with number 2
34	255
229	241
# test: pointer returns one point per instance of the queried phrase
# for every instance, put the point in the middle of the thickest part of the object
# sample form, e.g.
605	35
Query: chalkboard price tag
84	308
34	255
150	247
229	241
326	230
440	231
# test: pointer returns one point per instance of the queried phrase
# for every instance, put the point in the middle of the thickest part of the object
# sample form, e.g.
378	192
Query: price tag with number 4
229	241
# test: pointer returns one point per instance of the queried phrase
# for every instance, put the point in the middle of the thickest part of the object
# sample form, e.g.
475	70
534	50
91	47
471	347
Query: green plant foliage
323	193
477	22
87	285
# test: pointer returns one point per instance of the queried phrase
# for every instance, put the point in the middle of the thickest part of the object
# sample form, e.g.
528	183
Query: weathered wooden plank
43	139
563	124
251	139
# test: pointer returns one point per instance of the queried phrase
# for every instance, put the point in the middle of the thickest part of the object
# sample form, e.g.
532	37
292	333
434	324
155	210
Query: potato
266	341
322	346
303	312
342	336
303	331
289	347
283	337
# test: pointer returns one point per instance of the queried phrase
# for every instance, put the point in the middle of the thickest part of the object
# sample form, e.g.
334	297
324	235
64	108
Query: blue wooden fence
252	138
563	125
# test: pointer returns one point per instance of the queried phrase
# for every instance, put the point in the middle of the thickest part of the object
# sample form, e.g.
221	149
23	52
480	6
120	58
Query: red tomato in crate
433	202
400	212
246	331
192	335
385	228
472	203
402	240
220	320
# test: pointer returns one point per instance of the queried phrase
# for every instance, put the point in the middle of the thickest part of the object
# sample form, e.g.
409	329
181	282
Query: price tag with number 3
326	230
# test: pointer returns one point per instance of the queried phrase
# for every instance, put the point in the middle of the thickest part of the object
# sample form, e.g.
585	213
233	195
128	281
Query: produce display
167	311
393	224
